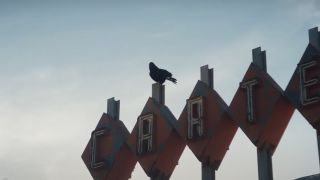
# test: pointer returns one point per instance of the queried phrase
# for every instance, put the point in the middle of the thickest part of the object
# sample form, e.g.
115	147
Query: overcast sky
60	61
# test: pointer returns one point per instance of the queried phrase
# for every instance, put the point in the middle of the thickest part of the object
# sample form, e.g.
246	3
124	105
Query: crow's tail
174	80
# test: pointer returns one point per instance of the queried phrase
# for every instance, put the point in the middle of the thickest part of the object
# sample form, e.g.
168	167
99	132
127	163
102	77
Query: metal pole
314	37
206	76
158	93
264	164
259	58
208	172
113	108
318	140
264	156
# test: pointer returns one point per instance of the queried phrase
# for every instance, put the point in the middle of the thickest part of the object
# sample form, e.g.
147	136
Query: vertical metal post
208	172
314	37
264	156
259	58
206	76
113	108
158	93
318	139
264	164
158	178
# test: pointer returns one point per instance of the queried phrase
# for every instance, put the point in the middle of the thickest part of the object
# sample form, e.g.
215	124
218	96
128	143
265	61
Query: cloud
308	8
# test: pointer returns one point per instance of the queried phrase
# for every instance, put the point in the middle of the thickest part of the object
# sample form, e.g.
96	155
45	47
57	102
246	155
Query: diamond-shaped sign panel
155	141
107	151
304	86
260	108
206	125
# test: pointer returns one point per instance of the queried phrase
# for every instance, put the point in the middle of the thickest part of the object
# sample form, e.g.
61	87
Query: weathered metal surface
304	85
262	111
124	164
110	150
307	106
167	144
260	108
219	129
170	155
272	111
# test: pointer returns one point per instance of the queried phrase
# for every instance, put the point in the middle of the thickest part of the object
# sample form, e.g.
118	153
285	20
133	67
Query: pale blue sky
61	60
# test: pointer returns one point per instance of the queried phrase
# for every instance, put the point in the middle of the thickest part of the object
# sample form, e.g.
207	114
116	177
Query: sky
61	60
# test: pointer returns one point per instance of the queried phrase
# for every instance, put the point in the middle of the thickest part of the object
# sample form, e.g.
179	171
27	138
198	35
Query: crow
160	75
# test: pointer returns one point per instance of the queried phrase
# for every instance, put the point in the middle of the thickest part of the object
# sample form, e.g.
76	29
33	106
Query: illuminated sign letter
145	130
195	117
248	86
94	163
304	84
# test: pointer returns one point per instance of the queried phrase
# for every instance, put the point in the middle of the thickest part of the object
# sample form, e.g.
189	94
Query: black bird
160	75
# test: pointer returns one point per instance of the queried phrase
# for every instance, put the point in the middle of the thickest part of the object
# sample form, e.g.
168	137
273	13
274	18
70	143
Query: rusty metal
261	111
304	85
207	124
108	151
167	144
219	128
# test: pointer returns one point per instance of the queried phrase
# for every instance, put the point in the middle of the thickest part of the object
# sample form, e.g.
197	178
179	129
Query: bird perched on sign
160	75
